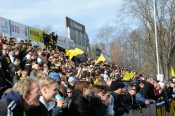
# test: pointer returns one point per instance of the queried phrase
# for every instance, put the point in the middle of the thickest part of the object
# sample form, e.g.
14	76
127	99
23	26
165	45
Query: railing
158	109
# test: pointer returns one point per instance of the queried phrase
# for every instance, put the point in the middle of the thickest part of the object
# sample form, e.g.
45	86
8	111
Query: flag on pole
172	72
101	58
72	53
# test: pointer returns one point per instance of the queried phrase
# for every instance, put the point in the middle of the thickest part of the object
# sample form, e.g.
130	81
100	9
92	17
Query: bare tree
48	28
105	35
142	12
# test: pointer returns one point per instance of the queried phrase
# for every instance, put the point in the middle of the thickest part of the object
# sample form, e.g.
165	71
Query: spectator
141	99
98	100
116	90
25	95
148	91
49	89
5	60
33	73
130	97
79	105
14	67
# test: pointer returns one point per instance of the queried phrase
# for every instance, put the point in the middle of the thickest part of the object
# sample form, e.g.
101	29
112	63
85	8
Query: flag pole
155	26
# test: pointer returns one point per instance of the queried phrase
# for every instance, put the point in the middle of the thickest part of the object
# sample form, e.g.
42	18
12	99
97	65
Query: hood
15	97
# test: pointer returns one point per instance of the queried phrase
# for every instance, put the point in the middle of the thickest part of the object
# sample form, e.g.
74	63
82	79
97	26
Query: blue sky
91	13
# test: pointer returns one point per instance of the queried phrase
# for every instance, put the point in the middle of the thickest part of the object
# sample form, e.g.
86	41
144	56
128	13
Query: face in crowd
50	91
32	98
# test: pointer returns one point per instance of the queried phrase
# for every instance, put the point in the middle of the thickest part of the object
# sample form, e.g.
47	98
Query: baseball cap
55	76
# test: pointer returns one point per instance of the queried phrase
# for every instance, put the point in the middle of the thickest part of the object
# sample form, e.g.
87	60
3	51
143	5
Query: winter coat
97	107
42	110
148	91
141	99
130	100
79	105
117	105
5	60
11	104
13	68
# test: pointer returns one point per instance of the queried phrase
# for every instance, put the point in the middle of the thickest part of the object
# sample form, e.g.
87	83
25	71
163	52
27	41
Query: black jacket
2	78
10	103
28	67
5	60
97	107
117	105
40	110
131	101
148	91
13	68
79	105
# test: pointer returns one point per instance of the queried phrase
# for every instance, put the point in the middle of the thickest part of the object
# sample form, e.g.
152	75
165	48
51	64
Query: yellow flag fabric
70	53
172	72
101	58
75	52
127	76
78	51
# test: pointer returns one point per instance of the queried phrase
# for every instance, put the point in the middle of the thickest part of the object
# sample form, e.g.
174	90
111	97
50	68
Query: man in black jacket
148	90
130	97
25	94
14	67
116	90
5	60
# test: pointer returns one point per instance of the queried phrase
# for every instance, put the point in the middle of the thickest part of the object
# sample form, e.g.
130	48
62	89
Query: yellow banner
35	34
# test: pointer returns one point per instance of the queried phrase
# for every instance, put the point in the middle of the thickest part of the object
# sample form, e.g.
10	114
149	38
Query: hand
60	102
147	102
154	101
107	102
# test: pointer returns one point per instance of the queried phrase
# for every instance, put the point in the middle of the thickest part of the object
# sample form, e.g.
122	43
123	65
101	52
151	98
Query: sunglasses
69	92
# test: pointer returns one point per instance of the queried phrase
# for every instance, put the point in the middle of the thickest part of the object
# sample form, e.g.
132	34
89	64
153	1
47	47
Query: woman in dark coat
79	105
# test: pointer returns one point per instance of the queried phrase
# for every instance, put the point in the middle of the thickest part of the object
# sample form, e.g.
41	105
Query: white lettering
76	25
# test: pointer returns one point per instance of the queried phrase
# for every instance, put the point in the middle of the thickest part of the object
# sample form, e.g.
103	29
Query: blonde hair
45	81
23	86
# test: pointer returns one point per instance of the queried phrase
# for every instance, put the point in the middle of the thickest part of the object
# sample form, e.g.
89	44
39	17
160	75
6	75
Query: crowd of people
45	82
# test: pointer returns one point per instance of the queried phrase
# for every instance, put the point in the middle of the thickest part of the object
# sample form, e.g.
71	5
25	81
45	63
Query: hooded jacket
11	104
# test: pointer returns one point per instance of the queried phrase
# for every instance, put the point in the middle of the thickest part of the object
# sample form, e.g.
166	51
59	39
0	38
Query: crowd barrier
158	109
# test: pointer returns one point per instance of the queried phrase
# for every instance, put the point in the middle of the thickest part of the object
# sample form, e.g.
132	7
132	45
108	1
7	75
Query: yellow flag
101	58
127	76
70	53
172	72
75	52
78	51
